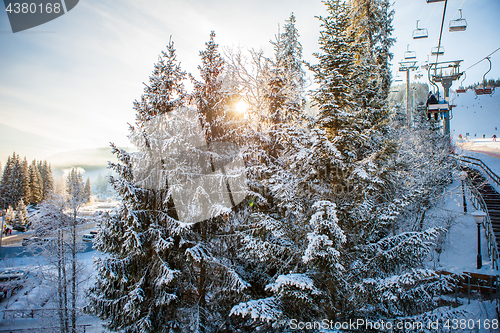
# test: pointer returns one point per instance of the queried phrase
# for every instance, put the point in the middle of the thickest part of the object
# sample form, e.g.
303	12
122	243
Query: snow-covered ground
39	293
476	115
460	249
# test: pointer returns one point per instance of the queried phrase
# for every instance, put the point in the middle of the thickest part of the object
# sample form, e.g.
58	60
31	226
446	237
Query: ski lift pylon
458	24
420	32
432	1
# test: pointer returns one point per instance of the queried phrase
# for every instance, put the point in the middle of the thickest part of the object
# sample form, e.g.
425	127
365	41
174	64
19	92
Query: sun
241	107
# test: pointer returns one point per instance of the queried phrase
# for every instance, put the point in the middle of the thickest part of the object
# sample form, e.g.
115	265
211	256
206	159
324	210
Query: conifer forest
307	206
264	193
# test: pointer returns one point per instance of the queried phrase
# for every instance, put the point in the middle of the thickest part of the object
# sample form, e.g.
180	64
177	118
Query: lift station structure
445	73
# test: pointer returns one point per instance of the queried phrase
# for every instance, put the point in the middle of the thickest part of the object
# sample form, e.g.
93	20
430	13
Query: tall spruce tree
329	249
6	186
45	170
87	190
25	181
137	286
35	184
160	272
208	93
21	213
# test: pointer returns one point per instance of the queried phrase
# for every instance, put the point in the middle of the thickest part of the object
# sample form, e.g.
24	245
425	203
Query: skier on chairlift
431	99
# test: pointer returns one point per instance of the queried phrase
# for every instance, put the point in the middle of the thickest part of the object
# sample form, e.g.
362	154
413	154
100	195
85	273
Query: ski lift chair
485	90
461	89
437	51
458	24
410	54
437	110
420	33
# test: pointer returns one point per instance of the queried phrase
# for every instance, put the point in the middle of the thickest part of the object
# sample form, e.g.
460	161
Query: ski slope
476	115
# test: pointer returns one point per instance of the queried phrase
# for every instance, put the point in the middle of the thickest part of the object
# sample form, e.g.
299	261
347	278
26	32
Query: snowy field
39	293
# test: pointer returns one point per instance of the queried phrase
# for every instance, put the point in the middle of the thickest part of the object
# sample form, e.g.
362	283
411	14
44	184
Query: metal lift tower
407	66
445	73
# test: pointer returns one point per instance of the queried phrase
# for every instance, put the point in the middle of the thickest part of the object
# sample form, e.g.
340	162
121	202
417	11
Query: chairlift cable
430	15
423	10
460	7
483	59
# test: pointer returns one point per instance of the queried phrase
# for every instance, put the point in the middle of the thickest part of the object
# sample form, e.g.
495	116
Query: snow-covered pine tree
328	242
150	276
284	92
292	236
35	182
45	170
6	184
14	185
136	287
25	181
87	190
371	30
334	73
208	94
218	283
286	80
21	213
371	212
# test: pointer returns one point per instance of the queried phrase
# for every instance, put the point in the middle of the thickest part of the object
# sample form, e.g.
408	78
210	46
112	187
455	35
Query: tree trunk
201	285
64	288
73	274
60	278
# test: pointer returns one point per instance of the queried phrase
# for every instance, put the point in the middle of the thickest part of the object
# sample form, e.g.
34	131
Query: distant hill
88	159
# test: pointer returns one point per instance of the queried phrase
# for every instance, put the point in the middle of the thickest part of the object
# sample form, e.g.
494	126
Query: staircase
487	199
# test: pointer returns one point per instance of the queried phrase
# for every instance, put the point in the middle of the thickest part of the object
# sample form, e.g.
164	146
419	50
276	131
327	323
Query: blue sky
74	79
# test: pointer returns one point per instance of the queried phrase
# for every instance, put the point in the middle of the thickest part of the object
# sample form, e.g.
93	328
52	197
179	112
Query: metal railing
476	161
479	204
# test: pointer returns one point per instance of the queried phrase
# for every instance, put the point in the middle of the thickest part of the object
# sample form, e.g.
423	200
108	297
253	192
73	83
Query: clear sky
74	79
